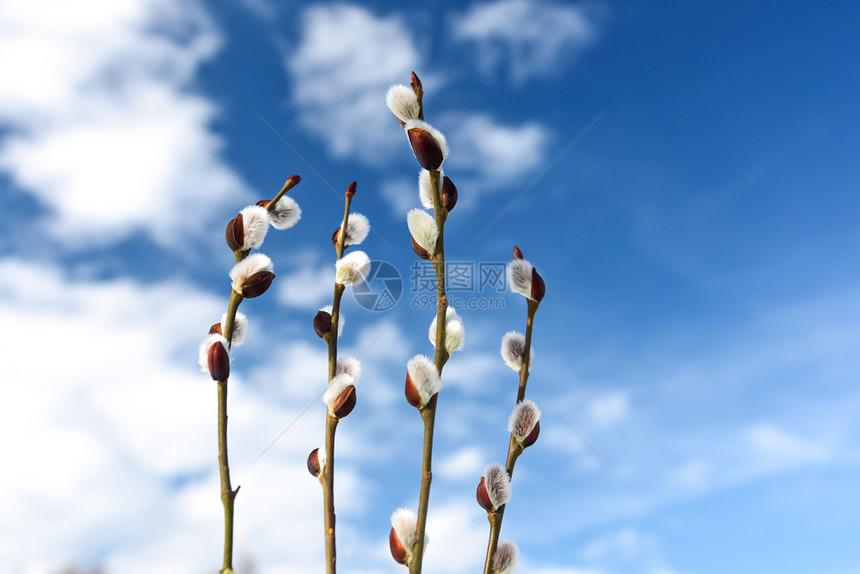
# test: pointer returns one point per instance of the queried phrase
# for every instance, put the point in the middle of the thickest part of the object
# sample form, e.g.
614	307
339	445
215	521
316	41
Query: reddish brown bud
517	253
426	149
449	193
416	83
344	403
419	251
314	466
295	179
322	324
413	397
483	496
264	202
533	436
538	286
398	551
350	191
257	284
235	233
335	236
218	361
215	329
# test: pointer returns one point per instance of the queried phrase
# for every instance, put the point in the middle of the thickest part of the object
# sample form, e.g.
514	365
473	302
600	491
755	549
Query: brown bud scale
235	233
533	436
538	286
322	324
314	462
218	361
344	403
483	496
449	193
413	397
419	251
426	149
257	284
398	551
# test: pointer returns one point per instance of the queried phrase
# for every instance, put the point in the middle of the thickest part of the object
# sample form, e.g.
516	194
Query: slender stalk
515	449
228	495
290	184
327	476
428	414
327	482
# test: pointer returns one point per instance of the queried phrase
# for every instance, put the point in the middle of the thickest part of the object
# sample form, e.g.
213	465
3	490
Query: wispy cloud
345	60
101	121
528	38
492	152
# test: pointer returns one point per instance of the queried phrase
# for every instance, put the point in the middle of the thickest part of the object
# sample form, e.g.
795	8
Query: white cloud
695	474
102	126
347	58
464	464
401	195
110	425
345	61
308	287
491	152
529	37
608	410
778	446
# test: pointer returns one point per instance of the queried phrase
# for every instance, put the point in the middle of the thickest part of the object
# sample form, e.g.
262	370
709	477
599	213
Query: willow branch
515	449
327	476
428	414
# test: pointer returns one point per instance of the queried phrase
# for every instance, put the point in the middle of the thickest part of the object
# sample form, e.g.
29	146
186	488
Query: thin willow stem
428	414
327	476
515	449
288	185
228	495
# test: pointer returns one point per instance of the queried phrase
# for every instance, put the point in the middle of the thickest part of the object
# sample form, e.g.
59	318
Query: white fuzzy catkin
425	188
255	224
513	349
285	214
402	102
341	319
240	327
349	365
321	456
423	228
505	560
405	524
425	377
523	419
520	277
436	134
357	228
498	484
203	351
335	387
352	268
247	267
455	331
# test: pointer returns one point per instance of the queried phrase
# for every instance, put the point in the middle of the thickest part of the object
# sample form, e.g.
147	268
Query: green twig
428	414
515	449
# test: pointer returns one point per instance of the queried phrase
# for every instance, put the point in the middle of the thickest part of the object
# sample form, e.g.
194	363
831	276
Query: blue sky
683	175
